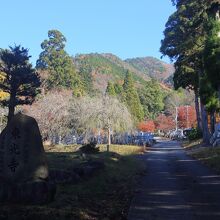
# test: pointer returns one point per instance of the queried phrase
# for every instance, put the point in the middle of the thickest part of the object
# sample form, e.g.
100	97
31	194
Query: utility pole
187	116
176	117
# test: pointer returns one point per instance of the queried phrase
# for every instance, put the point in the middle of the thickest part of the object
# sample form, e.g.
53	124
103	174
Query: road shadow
176	187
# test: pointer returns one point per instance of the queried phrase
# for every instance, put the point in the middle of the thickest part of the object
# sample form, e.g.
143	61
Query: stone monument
23	166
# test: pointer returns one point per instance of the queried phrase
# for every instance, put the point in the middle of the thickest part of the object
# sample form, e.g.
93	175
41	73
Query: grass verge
191	144
209	156
106	195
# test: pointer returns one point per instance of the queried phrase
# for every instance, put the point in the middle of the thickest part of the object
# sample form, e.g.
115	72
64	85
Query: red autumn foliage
186	117
164	123
146	126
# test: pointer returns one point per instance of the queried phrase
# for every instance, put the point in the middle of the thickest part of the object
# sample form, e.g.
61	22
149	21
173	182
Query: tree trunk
11	107
109	139
11	112
205	129
213	121
198	112
219	92
1	125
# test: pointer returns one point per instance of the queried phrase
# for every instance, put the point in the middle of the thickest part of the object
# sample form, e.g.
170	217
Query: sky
126	28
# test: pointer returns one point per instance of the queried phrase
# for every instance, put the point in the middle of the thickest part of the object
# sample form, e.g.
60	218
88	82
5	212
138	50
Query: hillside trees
118	89
151	98
110	90
59	64
85	70
131	98
20	79
84	114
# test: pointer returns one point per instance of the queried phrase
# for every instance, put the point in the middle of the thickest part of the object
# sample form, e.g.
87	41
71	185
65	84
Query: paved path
175	187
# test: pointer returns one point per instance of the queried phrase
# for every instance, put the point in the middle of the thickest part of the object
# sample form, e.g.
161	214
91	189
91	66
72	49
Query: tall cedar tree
212	54
59	64
184	39
20	79
210	82
184	42
132	99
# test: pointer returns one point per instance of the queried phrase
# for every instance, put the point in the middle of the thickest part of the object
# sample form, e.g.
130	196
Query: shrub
194	134
90	148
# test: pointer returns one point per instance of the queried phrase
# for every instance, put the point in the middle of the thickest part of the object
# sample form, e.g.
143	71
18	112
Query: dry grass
62	148
122	149
191	144
205	153
209	156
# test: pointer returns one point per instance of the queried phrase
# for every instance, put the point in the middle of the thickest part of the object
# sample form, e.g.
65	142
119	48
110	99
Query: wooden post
109	139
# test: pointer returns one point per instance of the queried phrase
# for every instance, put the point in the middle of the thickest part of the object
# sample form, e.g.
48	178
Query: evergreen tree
212	54
132	99
184	39
119	92
210	83
110	90
85	70
20	79
151	97
118	89
209	95
184	42
59	64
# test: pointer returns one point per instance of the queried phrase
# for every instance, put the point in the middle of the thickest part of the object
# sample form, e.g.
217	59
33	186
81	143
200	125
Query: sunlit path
175	187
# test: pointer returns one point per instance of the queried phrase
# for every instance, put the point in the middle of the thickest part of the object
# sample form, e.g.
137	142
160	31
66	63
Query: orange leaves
164	123
147	126
186	116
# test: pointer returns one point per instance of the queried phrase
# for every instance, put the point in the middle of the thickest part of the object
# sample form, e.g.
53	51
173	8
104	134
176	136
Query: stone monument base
35	192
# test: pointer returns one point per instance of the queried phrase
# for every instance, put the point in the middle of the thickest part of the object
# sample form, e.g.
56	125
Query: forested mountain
98	69
152	67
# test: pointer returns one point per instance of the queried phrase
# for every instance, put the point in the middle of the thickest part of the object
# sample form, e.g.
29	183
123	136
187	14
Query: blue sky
126	28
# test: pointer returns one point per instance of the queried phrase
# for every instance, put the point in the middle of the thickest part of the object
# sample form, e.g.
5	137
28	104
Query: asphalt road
175	187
